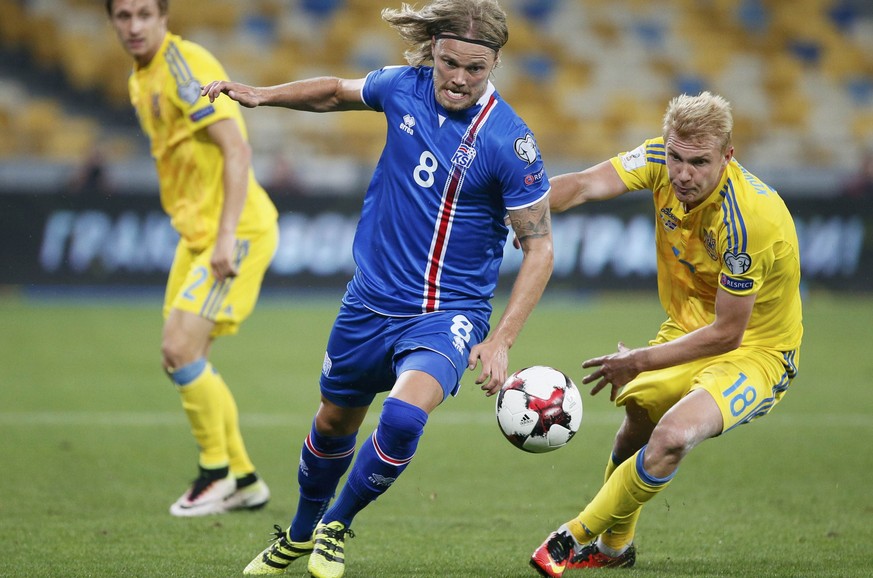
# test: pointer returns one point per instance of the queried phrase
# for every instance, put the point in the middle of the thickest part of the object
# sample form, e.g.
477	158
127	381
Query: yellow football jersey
166	96
742	239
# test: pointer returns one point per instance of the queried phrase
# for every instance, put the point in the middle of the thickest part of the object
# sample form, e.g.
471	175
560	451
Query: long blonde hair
482	20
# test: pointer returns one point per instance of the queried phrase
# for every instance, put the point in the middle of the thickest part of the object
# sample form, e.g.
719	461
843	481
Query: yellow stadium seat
580	110
71	140
862	128
41	37
13	24
36	121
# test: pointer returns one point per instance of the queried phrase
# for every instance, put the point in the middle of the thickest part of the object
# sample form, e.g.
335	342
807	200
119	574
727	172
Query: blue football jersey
432	229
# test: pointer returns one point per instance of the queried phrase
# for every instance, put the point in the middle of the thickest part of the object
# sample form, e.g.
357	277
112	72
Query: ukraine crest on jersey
741	239
432	230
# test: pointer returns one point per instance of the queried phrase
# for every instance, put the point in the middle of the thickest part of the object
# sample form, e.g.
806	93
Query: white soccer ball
539	409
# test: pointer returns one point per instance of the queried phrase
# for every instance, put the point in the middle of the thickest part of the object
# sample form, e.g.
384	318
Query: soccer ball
539	409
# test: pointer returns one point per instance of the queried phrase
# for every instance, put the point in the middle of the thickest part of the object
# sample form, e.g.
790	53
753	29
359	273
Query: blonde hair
699	118
482	20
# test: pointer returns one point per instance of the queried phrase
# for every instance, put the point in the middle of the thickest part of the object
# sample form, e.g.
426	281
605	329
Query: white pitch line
440	417
249	420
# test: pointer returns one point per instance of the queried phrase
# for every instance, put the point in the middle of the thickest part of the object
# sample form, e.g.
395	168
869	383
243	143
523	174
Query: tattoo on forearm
534	221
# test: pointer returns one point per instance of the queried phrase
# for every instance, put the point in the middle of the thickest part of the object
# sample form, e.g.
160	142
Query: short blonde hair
699	118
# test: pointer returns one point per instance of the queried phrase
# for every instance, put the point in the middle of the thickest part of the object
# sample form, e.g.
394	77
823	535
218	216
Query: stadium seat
13	24
71	139
599	68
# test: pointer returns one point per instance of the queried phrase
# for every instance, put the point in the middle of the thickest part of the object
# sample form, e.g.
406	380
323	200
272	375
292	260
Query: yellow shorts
191	286
746	383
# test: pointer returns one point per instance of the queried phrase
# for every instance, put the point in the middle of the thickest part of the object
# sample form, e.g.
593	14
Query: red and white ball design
539	409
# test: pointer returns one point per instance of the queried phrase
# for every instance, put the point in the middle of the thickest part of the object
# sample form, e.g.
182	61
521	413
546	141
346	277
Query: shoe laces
560	547
591	554
587	553
278	534
336	534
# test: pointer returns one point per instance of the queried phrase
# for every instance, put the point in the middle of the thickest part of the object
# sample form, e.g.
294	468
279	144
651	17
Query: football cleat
590	556
205	496
328	558
250	497
551	558
278	555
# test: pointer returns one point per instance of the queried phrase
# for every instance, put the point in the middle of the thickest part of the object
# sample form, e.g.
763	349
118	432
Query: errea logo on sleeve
407	124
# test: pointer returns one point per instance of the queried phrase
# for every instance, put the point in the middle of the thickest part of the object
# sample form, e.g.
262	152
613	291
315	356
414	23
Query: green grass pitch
94	447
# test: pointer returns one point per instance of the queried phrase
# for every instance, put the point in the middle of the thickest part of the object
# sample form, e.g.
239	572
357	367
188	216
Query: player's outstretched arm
569	190
323	94
597	183
248	96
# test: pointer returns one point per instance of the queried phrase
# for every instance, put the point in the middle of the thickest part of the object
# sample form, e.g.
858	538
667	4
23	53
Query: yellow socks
213	416
618	503
622	533
240	464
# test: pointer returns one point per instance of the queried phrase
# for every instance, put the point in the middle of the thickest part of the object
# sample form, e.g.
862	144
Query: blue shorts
366	351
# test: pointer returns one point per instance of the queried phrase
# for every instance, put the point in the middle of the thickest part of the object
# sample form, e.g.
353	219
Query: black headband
493	46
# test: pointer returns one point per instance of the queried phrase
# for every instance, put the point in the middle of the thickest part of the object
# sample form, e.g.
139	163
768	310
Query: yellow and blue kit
166	96
741	239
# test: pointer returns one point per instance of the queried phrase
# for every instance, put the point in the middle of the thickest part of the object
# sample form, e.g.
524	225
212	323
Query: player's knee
400	427
669	442
171	354
176	352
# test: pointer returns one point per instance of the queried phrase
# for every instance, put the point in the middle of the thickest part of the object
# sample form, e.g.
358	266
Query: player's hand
617	369
242	93
495	361
222	263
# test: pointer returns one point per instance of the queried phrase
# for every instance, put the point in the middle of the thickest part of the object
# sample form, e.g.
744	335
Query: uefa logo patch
635	159
526	149
737	263
534	178
189	91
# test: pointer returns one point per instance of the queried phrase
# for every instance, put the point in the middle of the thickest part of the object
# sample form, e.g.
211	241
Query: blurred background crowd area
590	77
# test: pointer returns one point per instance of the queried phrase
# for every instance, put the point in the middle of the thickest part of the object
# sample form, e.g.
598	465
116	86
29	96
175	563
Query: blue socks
323	461
382	458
